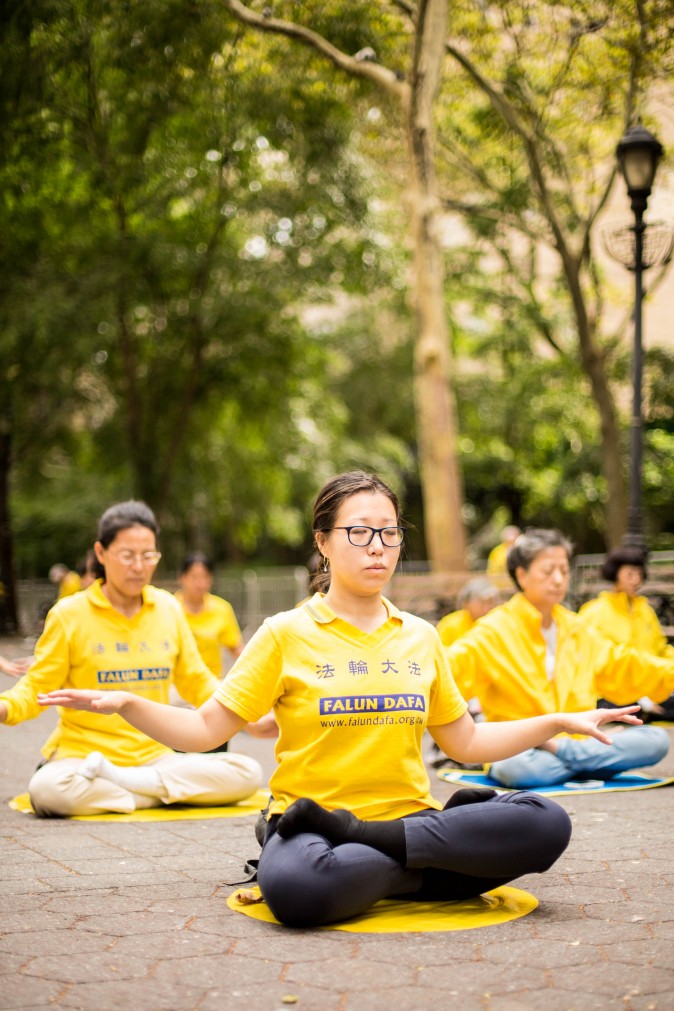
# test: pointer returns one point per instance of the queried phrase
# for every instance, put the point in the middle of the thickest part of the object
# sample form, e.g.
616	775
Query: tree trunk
435	404
436	424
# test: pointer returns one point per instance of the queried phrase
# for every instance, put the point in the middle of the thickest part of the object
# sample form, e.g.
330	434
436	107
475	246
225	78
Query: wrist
125	701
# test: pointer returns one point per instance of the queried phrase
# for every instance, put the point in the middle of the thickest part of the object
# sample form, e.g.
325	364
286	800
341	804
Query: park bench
434	594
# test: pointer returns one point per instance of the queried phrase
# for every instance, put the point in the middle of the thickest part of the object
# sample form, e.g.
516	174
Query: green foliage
176	200
203	264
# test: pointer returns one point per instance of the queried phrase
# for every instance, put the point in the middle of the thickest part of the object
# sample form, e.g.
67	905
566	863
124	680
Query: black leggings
454	854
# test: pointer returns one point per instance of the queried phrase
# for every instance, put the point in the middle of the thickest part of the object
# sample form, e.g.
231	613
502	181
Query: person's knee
294	894
559	828
548	831
656	742
252	770
511	772
247	769
48	795
297	882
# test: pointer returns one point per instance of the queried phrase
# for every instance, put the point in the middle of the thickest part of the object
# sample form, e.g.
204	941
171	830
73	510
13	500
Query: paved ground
101	916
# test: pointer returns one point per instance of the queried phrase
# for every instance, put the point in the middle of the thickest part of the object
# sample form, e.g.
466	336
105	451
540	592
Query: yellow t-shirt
497	559
86	643
453	626
502	661
71	583
611	615
352	707
214	626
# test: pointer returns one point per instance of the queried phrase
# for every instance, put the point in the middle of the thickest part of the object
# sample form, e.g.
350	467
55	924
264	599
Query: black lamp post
638	155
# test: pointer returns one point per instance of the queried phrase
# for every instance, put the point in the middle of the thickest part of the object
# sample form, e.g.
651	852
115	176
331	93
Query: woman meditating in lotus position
121	631
624	615
533	656
354	683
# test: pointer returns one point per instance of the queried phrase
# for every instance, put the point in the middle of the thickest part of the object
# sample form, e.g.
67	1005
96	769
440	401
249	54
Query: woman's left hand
589	722
265	727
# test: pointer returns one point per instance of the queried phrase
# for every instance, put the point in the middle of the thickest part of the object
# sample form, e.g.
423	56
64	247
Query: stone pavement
102	915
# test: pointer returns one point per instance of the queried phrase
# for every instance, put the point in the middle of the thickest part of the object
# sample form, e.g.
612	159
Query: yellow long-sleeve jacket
453	626
502	661
87	643
637	625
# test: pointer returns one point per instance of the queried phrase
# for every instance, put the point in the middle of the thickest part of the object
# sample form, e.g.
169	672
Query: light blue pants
585	759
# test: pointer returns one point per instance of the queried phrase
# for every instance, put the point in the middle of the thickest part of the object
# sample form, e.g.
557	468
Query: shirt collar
98	598
323	614
531	615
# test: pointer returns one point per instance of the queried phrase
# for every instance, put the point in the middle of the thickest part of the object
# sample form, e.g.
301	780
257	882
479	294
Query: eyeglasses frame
373	531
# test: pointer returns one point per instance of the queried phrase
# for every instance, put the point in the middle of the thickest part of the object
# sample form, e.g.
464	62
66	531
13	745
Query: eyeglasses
360	537
129	557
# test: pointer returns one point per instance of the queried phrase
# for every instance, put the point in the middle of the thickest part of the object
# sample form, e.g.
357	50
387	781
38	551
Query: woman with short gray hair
532	656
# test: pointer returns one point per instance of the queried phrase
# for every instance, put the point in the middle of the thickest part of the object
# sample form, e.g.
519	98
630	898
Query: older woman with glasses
121	632
533	656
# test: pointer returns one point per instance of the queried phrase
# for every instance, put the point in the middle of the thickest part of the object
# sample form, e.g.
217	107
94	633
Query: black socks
469	796
340	827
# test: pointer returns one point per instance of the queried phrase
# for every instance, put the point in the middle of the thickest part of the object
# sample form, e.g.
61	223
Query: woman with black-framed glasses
354	683
122	632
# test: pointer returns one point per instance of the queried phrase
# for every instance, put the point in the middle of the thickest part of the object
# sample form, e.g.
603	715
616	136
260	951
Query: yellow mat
174	812
394	916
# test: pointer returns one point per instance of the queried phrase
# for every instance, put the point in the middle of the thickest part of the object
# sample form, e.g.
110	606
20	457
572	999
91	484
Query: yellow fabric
214	626
170	812
352	707
453	626
497	559
502	661
402	916
86	643
70	583
637	625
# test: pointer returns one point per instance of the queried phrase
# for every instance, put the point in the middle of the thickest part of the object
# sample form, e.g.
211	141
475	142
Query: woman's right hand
106	703
15	668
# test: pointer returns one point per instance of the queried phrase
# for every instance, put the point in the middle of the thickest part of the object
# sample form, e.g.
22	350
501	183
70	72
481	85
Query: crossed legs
457	853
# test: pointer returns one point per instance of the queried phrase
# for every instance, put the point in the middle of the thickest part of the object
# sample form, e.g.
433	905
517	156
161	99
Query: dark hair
195	558
530	544
623	556
87	564
120	517
329	501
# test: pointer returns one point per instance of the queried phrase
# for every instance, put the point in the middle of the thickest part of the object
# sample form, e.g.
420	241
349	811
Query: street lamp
638	247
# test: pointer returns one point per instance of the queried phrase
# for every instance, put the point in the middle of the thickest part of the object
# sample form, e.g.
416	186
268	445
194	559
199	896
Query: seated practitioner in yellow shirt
477	598
354	684
497	559
66	580
622	615
532	656
212	619
121	632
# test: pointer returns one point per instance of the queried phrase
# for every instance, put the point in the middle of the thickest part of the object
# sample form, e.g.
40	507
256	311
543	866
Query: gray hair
530	544
477	589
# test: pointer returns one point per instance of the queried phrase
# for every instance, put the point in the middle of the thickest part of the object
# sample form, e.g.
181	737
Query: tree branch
368	69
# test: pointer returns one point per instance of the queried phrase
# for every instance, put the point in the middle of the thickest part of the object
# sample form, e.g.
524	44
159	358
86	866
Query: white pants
57	788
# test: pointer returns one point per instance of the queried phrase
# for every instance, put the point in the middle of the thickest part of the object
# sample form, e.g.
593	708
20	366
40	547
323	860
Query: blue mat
623	781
